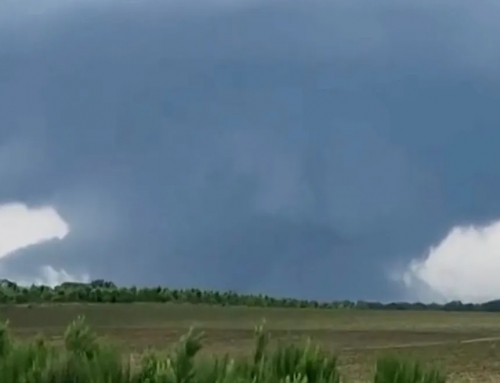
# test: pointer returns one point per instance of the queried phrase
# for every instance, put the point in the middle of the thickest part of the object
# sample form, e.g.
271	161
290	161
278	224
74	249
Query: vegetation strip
100	291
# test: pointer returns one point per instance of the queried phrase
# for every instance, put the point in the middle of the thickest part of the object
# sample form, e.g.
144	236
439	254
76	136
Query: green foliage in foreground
100	291
86	360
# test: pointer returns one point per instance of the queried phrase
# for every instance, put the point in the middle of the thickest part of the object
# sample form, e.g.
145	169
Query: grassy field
466	345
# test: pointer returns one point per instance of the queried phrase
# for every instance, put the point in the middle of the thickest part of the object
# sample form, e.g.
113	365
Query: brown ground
467	345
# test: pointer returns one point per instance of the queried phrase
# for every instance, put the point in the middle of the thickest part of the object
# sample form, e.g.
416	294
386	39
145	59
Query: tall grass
86	359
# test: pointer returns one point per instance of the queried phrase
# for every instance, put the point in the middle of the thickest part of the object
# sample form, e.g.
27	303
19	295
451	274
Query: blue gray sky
318	149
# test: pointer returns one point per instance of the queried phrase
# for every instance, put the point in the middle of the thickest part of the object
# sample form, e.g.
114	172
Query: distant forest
101	291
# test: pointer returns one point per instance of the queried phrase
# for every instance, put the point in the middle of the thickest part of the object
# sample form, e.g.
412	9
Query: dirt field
467	345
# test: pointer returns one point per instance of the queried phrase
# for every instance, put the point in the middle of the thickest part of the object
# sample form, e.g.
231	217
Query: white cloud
49	276
21	227
464	266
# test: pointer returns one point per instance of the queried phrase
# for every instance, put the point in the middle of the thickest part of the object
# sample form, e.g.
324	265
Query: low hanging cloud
49	276
464	266
22	227
292	148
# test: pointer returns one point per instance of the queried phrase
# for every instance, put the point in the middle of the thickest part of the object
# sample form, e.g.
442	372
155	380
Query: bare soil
466	345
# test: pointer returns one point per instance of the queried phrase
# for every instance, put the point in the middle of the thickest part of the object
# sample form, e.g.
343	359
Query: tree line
101	291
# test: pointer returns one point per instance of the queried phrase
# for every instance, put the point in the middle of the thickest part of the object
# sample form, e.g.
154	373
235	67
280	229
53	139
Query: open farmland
466	345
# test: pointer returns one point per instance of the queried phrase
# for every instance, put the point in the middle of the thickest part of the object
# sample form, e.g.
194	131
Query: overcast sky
330	150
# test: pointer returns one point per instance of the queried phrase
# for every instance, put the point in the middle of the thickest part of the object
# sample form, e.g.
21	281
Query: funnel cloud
306	149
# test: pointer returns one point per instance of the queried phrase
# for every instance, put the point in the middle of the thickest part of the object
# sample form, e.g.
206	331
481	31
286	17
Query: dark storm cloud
288	147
